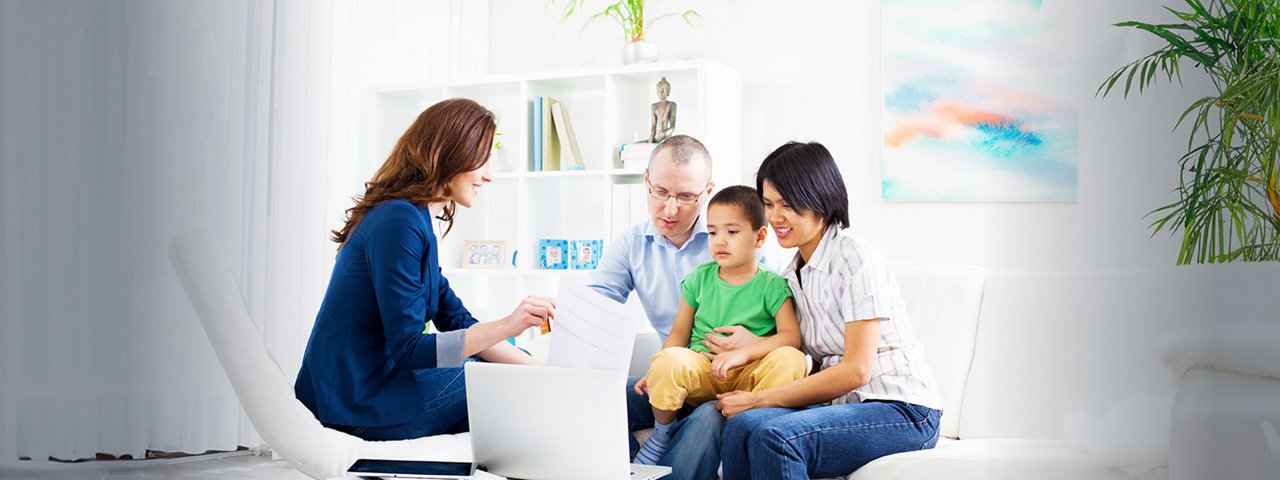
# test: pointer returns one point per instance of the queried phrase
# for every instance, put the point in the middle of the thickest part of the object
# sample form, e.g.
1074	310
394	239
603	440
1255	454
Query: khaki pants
680	375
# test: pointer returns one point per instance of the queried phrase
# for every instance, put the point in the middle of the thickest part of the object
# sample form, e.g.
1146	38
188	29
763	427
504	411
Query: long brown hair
449	138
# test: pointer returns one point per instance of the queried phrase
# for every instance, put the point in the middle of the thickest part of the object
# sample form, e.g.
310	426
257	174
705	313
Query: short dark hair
746	200
808	179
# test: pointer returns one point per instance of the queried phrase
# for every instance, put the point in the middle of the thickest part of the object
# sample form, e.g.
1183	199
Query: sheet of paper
590	330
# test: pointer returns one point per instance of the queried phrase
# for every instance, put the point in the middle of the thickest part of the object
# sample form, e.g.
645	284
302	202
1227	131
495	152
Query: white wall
811	72
1078	291
123	123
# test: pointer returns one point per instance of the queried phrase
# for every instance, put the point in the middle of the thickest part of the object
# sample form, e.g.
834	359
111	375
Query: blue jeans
823	440
444	408
694	451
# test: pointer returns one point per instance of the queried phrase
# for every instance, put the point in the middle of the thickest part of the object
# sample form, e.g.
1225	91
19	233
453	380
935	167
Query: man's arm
612	278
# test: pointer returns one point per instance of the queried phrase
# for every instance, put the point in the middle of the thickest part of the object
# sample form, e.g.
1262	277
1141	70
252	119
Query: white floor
220	466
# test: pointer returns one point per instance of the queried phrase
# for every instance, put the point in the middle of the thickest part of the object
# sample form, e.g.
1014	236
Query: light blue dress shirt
644	261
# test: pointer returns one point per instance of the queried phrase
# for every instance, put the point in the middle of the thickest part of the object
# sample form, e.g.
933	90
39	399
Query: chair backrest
264	392
944	303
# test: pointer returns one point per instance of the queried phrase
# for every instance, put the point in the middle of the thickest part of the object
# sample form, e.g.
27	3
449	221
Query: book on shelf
635	156
629	207
571	155
535	155
550	141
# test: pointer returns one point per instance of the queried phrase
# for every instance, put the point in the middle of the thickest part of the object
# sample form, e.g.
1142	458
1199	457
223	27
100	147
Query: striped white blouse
846	281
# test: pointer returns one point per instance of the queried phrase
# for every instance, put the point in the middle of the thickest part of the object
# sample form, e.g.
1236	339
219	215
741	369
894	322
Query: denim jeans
823	440
444	408
694	450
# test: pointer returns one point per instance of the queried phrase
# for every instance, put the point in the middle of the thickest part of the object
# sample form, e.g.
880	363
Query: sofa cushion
989	460
944	303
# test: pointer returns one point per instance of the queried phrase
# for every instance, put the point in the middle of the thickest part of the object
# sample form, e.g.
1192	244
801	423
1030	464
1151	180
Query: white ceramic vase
639	52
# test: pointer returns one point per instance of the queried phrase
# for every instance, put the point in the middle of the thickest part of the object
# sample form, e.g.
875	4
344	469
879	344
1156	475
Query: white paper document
590	330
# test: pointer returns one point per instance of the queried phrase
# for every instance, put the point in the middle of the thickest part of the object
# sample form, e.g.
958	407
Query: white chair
262	388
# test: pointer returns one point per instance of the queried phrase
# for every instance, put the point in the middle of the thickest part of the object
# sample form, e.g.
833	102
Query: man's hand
642	386
737	337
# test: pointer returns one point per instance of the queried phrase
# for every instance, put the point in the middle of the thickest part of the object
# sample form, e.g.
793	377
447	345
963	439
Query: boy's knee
787	357
674	359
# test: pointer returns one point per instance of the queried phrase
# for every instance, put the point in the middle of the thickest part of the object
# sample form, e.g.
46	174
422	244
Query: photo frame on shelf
585	254
484	254
553	254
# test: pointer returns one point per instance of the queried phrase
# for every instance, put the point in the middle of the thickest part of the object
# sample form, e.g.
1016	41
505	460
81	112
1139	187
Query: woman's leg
444	409
444	400
835	440
737	436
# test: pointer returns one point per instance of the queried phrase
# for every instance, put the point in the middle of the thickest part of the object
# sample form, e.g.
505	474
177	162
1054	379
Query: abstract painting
979	101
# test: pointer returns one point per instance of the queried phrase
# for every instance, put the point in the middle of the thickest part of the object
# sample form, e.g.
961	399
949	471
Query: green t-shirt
718	304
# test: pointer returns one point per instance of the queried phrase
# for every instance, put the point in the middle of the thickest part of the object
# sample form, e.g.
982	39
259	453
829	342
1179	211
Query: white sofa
946	304
986	362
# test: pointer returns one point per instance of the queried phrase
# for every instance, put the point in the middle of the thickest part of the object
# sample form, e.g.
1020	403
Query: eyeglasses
681	198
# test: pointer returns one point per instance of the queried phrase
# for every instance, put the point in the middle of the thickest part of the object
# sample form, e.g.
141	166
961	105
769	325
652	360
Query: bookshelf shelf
607	107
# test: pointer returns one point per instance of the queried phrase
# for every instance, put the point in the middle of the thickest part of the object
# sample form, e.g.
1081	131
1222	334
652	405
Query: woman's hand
722	363
737	337
736	402
531	312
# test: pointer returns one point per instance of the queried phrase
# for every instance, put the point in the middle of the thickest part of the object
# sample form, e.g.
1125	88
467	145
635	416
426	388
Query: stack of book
635	156
555	145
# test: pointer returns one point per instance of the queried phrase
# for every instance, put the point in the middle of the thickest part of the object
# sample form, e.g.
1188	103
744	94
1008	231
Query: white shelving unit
607	107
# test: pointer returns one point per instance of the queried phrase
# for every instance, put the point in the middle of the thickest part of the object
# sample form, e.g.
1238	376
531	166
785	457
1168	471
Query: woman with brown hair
369	368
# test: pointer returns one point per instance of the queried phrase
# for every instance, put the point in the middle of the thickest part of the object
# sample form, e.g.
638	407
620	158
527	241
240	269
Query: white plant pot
639	52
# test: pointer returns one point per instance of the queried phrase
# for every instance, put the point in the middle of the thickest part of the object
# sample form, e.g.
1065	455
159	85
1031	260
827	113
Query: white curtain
123	123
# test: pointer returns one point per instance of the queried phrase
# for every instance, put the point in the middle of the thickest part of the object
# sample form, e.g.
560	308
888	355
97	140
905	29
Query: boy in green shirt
732	290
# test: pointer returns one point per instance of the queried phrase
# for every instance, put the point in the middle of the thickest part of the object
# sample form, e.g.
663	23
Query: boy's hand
722	363
642	387
730	338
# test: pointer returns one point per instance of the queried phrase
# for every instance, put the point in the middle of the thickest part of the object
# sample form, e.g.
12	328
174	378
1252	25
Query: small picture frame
553	254
484	254
585	254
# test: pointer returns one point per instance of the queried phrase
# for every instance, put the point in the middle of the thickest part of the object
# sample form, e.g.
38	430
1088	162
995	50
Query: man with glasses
651	259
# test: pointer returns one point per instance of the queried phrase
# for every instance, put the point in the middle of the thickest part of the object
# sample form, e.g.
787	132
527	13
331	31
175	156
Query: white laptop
545	423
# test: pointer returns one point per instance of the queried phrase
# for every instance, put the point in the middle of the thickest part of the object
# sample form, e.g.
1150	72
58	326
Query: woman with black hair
871	393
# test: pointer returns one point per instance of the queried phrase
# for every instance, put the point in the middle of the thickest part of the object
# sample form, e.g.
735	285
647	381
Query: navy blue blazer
367	339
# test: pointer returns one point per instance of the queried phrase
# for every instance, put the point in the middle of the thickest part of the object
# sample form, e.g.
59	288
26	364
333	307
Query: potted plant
1229	199
630	15
498	159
